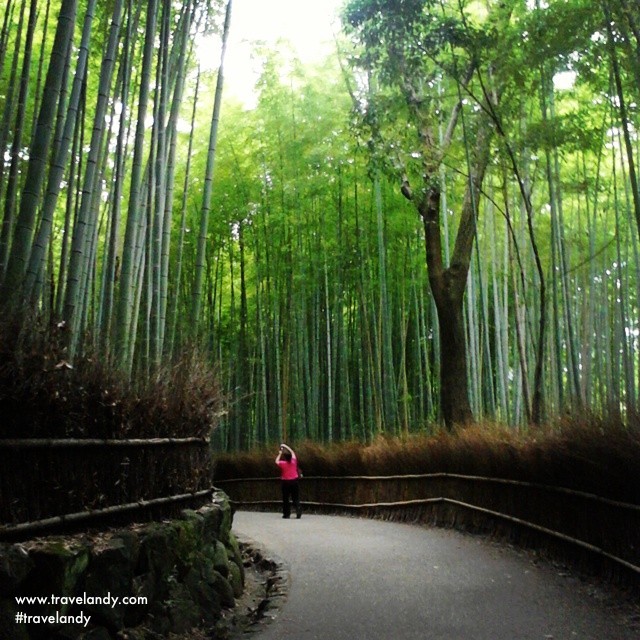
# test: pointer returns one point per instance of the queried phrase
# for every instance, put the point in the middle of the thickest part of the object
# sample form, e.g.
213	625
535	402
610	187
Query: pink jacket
289	470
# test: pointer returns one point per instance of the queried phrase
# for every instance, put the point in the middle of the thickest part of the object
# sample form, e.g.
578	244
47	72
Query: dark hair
286	456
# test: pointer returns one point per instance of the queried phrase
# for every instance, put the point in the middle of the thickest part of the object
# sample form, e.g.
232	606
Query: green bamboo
80	262
58	166
208	180
7	287
126	294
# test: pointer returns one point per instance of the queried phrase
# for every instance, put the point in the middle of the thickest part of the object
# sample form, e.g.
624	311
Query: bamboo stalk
81	516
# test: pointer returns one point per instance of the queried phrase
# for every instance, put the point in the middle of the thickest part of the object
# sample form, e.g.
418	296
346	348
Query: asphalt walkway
362	579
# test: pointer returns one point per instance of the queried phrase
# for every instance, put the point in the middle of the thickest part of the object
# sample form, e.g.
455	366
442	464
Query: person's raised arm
289	449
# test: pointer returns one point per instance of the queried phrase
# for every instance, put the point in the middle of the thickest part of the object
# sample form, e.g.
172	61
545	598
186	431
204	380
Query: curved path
370	580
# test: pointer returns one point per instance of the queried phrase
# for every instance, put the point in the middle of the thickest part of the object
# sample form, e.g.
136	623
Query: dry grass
42	396
589	454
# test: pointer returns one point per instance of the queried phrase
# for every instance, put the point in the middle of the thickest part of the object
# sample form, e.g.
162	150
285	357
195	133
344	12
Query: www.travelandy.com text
21	617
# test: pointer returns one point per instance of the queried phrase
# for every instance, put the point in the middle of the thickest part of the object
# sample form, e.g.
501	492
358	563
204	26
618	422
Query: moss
111	572
221	560
223	589
58	568
236	579
188	569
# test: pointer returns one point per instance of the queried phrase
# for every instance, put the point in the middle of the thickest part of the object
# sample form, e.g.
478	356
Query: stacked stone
190	570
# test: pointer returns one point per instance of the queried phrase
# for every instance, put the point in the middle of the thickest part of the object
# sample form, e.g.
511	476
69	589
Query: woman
289	474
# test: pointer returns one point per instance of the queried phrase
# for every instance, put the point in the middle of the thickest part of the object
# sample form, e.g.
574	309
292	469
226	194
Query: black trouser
290	491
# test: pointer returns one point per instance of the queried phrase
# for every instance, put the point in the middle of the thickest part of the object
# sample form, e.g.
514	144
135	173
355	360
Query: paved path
370	580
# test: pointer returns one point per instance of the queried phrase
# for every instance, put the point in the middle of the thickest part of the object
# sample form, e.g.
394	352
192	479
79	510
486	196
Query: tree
409	47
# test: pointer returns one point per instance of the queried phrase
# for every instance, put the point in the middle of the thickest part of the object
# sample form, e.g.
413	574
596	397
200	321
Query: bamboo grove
439	223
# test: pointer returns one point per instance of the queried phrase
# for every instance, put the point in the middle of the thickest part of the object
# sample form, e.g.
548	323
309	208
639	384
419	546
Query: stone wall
189	570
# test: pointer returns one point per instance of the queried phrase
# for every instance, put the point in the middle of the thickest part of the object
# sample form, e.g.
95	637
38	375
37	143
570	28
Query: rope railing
455	476
63	443
551	532
627	510
339	505
441	500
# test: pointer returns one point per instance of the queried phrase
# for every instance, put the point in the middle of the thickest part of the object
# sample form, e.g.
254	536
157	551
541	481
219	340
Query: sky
307	24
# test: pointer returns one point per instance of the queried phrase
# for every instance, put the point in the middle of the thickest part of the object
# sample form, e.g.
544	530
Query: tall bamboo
208	181
79	265
8	221
59	164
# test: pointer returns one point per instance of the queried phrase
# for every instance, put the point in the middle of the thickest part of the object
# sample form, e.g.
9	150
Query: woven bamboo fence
59	484
605	529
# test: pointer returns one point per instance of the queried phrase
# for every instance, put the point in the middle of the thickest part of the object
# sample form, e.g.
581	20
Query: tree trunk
447	287
448	284
454	392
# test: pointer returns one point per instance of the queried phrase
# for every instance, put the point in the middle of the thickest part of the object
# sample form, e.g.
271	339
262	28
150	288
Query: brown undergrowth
42	395
587	454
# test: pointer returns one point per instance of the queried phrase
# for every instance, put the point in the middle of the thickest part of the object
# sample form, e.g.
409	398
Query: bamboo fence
48	484
598	526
